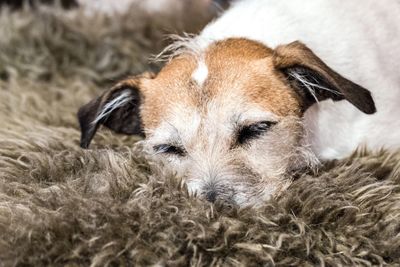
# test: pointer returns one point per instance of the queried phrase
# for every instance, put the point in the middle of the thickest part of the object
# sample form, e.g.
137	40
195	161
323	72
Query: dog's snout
211	196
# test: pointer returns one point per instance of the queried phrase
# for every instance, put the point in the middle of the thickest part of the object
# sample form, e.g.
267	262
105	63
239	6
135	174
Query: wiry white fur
186	44
358	39
310	86
108	108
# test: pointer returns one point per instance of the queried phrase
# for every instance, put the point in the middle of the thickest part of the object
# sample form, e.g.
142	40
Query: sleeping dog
268	89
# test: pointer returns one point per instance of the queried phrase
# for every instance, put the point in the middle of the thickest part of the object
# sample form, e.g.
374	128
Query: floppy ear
117	109
315	81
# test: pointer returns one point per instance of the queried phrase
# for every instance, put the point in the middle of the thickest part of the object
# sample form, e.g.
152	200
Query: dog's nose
211	196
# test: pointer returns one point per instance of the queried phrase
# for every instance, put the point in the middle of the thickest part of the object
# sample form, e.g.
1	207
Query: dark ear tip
86	137
370	109
84	144
85	116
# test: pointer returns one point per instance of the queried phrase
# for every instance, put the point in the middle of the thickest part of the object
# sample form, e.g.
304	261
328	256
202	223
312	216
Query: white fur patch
179	45
200	75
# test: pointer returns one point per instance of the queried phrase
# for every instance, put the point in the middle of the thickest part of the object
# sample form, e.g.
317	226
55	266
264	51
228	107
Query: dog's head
227	120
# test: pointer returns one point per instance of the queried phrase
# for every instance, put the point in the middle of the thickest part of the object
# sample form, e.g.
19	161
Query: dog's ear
314	81
117	109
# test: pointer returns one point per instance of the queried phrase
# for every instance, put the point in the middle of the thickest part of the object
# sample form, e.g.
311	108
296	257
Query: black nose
211	196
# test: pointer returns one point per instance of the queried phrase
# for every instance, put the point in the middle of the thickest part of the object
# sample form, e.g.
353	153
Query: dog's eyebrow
166	134
252	116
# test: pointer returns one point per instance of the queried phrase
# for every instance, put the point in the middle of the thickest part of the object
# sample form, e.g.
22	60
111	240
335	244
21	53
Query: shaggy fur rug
61	205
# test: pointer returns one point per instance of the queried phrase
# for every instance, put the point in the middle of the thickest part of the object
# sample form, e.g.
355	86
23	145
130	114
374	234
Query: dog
269	89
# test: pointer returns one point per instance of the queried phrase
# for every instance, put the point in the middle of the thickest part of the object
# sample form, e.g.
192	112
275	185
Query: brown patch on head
235	67
172	85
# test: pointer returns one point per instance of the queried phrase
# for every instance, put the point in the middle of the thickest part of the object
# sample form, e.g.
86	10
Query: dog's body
236	118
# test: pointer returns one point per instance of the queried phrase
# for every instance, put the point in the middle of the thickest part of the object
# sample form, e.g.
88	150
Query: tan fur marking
172	85
235	67
240	64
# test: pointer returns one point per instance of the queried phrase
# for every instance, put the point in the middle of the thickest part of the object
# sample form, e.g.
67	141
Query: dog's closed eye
170	149
253	131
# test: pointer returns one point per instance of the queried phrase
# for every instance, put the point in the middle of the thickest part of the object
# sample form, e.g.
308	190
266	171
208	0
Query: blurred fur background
64	206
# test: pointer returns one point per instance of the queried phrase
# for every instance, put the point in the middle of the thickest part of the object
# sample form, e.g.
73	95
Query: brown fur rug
64	206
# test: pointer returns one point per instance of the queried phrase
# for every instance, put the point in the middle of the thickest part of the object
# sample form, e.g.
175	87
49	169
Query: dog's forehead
234	75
